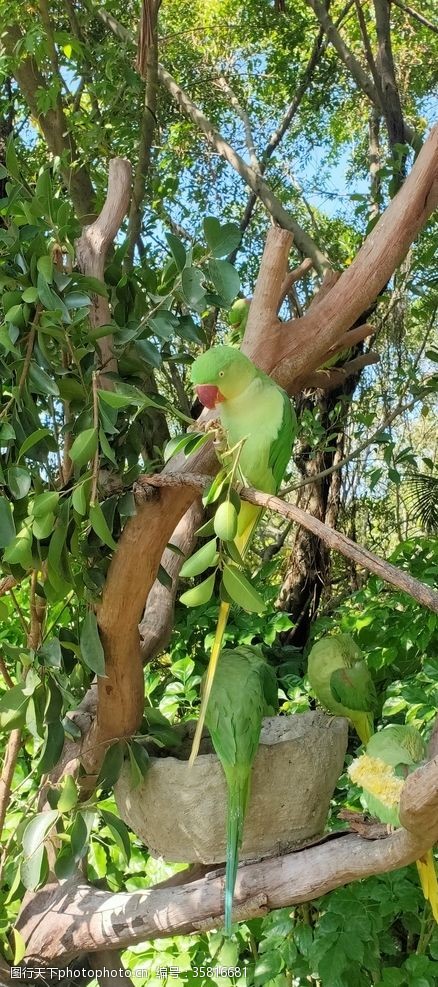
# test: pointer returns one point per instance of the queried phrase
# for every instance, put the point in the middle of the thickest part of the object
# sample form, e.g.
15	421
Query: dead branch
97	919
149	54
334	539
94	243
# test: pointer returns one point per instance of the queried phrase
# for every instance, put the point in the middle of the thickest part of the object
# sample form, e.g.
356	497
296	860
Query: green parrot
237	318
340	679
244	691
390	755
255	411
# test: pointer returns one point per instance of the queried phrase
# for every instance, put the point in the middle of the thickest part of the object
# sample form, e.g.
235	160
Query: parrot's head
221	373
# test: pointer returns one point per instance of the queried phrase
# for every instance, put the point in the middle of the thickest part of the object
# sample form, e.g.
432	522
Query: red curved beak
209	395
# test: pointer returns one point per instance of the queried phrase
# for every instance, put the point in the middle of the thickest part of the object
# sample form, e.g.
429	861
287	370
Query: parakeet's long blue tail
429	883
238	794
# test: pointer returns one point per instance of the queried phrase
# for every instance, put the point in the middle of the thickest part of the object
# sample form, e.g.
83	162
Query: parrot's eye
221	373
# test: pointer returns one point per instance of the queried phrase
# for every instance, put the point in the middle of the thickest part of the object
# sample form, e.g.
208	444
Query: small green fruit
225	521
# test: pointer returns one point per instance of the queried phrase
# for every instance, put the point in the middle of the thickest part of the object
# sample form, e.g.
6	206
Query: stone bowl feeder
180	812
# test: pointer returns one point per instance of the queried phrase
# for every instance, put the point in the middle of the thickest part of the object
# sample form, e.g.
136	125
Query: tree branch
334	539
94	243
242	113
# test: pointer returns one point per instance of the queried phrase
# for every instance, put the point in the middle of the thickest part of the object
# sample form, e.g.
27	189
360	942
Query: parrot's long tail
242	541
238	794
364	726
427	874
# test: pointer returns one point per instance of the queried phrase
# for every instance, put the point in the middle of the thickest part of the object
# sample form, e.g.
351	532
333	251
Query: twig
334	539
242	113
13	748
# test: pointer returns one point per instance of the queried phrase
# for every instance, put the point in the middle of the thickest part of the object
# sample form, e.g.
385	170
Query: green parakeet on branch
341	681
257	413
390	755
244	691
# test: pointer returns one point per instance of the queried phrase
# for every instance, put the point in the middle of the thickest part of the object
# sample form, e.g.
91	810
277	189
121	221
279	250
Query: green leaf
139	761
215	489
199	594
118	832
222	239
30	295
84	447
225	279
176	444
112	765
204	558
99	525
192	281
267	967
164	324
79	834
18	480
114	399
32	440
91	645
69	795
13	705
51	300
164	578
53	747
45	267
19	551
34	864
19	947
12	160
105	447
41	383
37	830
42	527
50	652
178	251
7	526
240	590
45	503
80	497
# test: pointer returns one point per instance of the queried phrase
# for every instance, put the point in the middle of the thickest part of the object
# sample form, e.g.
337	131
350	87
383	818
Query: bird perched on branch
390	755
244	691
341	681
257	415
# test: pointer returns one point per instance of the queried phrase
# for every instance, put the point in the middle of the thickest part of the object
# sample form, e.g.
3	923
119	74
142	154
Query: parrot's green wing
270	689
397	744
354	688
281	448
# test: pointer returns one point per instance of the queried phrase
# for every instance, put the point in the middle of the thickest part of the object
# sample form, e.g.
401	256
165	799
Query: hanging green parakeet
390	755
341	681
244	691
256	412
